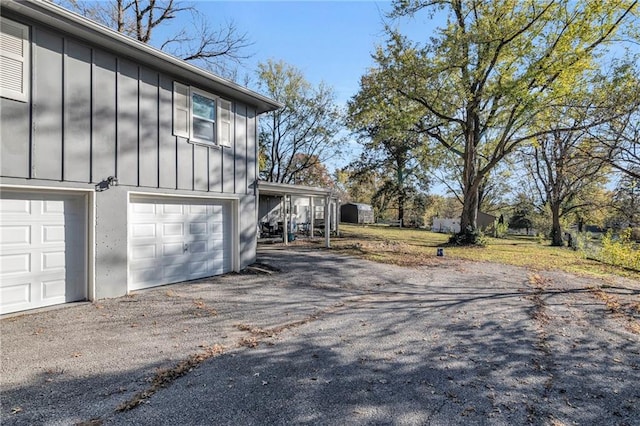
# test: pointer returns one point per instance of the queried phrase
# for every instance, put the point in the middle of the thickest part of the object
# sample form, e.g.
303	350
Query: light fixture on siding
107	183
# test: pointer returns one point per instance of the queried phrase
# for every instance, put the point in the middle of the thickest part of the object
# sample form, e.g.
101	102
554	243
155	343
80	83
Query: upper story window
200	116
14	60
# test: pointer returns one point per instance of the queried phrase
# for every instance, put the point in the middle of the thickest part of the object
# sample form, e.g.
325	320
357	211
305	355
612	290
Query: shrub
468	237
583	243
500	229
620	250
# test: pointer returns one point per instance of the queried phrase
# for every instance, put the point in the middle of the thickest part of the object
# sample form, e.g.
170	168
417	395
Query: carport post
285	231
327	222
312	214
336	205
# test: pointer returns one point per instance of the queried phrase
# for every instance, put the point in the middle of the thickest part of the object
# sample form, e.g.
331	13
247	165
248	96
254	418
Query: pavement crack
258	334
166	376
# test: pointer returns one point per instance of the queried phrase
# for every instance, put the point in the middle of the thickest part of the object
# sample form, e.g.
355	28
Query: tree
358	187
315	175
523	212
304	132
562	176
442	207
626	199
385	125
621	139
492	69
217	49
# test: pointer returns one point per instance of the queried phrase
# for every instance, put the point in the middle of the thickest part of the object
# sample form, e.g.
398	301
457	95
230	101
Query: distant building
356	213
452	225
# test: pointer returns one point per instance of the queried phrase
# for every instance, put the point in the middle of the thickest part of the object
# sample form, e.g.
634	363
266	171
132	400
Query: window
200	116
14	60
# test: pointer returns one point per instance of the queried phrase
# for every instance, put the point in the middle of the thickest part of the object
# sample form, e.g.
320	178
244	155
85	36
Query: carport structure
286	193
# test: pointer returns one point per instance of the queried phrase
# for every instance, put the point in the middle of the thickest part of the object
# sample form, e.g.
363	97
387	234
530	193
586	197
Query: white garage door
177	240
42	250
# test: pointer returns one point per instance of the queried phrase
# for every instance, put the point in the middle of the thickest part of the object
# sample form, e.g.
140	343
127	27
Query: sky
329	41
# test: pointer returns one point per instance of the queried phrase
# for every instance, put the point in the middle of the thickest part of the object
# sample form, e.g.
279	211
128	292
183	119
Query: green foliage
620	250
626	201
500	229
385	125
469	237
491	69
304	133
584	244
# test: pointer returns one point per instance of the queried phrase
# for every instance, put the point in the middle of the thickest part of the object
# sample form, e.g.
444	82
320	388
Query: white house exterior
121	167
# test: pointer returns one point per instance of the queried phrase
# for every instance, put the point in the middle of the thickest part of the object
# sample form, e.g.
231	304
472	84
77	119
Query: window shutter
181	110
224	123
14	60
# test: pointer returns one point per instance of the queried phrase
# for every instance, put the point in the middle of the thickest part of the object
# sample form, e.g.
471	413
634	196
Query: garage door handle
186	248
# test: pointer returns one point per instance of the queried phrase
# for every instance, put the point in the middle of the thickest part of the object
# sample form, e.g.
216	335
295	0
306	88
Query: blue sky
329	41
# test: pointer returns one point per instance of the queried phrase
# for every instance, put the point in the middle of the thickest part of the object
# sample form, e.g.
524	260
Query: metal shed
356	213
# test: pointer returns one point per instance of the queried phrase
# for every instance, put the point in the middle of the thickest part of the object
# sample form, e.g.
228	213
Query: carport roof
279	189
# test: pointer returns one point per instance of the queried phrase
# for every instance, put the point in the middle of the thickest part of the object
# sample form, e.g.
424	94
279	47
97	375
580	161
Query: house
452	225
121	167
356	213
305	208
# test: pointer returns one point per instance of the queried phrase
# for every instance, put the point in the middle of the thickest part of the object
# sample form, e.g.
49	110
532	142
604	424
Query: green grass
415	247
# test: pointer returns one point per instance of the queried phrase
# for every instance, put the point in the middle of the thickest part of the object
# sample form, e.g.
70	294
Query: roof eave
274	188
58	17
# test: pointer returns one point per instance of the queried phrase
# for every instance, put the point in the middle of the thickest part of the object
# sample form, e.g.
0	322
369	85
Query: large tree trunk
556	228
471	181
469	218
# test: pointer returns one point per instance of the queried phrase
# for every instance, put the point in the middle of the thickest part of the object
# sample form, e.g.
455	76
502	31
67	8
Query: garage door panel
198	228
218	254
189	235
18	263
199	209
52	234
144	251
218	265
173	229
199	269
52	207
172	209
14	207
144	208
42	255
143	230
149	275
197	247
15	294
53	261
174	271
172	249
54	289
15	235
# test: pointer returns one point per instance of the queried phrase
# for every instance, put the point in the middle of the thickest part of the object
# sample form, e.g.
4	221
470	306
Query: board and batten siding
93	114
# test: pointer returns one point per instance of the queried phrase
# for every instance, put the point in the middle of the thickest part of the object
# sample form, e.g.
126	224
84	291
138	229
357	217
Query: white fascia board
273	188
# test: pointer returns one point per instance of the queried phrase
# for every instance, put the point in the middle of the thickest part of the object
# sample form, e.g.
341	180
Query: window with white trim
200	116
14	60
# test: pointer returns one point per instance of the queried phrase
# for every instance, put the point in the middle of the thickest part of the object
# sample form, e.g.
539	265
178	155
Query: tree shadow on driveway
339	341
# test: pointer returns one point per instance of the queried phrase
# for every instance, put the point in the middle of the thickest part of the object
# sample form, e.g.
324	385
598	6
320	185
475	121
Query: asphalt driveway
334	340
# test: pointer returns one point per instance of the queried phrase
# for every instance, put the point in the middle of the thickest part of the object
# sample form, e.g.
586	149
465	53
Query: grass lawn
416	247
